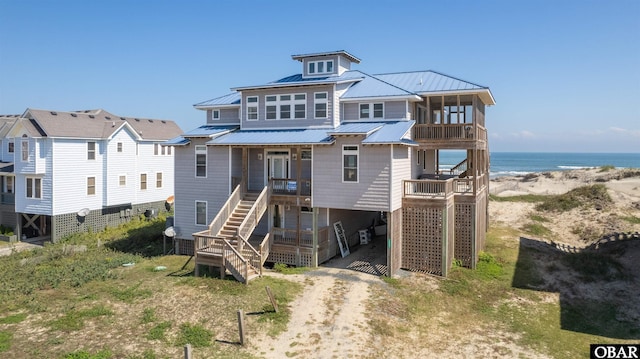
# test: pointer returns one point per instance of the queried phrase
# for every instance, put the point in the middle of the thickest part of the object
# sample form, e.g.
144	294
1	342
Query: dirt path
328	319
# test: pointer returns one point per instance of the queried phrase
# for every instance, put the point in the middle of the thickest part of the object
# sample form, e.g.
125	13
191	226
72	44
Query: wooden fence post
187	352
241	325
272	299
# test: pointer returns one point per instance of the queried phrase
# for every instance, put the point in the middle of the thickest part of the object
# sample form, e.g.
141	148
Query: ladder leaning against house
226	245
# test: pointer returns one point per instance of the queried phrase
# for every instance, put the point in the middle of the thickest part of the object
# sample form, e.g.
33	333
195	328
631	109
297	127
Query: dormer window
320	67
371	110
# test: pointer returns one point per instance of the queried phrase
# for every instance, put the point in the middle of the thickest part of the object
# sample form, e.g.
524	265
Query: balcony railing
440	189
290	236
7	198
290	186
458	131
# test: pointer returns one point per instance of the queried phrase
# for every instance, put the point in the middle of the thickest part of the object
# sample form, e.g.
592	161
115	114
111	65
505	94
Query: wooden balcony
442	189
452	136
289	191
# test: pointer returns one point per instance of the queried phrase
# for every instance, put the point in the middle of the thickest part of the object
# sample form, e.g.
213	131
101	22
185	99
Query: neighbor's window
119	146
9	184
159	180
91	186
10	148
143	181
252	108
155	149
34	187
25	150
350	163
320	103
201	161
201	213
122	180
91	150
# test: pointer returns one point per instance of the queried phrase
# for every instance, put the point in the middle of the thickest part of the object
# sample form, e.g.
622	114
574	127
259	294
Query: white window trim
324	101
195	219
213	115
24	150
325	66
33	187
292	102
125	180
252	105
161	180
202	150
95	149
370	106
351	152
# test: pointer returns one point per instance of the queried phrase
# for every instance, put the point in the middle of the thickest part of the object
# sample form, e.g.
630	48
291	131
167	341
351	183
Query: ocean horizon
521	163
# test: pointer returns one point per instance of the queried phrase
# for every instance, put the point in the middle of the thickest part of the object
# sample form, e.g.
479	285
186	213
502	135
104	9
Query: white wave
574	167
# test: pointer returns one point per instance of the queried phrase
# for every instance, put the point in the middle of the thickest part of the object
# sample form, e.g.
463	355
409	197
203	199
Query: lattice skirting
422	239
464	229
300	257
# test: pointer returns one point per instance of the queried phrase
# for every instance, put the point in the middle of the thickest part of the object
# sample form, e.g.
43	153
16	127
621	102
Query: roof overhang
211	107
297	84
301	57
410	98
485	94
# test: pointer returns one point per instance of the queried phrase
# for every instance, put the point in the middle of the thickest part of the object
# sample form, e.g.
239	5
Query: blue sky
565	74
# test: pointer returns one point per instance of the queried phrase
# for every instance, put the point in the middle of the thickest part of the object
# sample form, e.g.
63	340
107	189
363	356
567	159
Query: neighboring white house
75	171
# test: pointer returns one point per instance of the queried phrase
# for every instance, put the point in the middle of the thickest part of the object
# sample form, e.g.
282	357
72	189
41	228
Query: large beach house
292	170
65	172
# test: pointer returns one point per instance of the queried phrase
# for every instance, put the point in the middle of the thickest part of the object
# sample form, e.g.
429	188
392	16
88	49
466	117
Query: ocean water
519	163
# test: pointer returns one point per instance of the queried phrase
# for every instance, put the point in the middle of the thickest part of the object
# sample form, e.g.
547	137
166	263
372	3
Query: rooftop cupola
324	64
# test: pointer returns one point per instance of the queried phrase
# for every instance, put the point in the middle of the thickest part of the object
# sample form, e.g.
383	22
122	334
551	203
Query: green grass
285	269
83	354
536	229
606	168
196	335
632	219
539	218
130	294
13	319
74	320
158	331
148	316
594	195
5	340
527	198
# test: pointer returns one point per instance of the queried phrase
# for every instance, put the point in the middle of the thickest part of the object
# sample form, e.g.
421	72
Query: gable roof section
391	133
94	124
372	87
431	82
229	100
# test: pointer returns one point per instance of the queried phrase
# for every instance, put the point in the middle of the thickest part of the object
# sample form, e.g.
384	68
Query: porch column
245	169
314	246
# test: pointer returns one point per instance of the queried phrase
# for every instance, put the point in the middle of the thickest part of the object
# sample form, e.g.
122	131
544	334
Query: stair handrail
463	162
220	219
232	266
265	249
255	258
255	213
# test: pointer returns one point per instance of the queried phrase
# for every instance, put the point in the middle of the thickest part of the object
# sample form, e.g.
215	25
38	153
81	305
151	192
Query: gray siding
228	116
401	170
372	190
393	110
256	169
214	189
310	121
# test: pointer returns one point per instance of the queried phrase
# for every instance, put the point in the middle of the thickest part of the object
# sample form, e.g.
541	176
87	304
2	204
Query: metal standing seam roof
356	128
209	131
344	53
297	79
374	87
232	99
391	133
274	137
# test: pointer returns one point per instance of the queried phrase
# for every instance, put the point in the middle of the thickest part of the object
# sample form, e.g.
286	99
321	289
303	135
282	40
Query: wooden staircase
226	243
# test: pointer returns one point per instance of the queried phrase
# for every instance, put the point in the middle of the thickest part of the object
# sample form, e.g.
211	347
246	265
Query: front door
277	164
278	168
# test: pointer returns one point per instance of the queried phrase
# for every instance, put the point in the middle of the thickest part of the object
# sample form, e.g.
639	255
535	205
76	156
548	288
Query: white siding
121	164
151	164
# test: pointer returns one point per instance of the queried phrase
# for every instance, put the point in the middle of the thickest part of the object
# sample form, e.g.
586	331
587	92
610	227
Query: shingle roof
231	99
274	137
95	124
